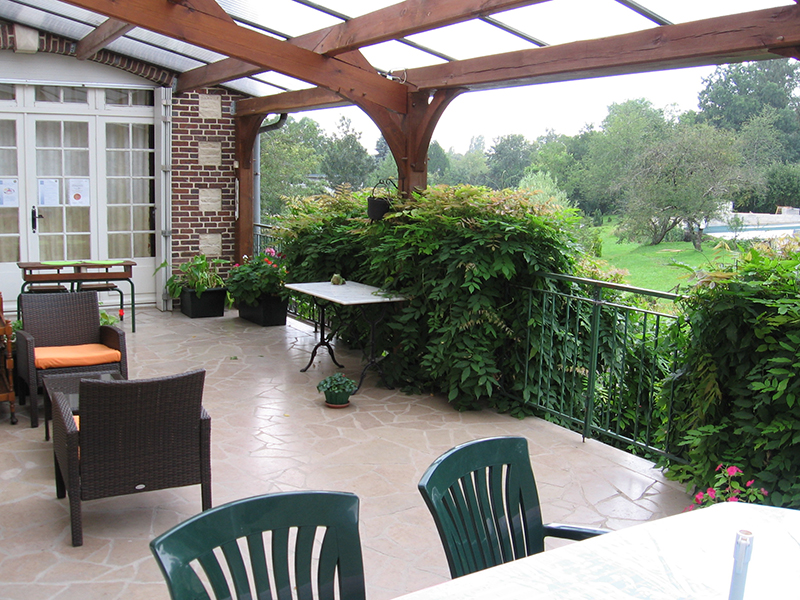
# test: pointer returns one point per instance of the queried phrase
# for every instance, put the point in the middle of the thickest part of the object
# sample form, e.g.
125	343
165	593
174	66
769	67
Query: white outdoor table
351	293
688	556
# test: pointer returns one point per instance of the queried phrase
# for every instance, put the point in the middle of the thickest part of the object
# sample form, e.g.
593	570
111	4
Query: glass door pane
64	190
9	192
130	189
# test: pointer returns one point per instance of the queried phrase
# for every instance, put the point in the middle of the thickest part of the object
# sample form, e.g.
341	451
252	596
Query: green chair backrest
483	498
313	544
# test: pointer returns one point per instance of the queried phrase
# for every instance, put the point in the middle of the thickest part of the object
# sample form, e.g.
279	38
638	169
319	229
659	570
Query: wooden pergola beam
105	33
392	22
748	36
735	38
190	22
299	100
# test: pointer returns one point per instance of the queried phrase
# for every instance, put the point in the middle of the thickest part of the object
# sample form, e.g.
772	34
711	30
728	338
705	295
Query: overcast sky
562	107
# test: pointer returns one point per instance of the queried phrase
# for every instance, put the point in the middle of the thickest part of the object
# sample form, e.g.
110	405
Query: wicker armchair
133	436
62	321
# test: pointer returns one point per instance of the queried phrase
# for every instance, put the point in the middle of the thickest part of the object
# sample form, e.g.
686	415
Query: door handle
34	218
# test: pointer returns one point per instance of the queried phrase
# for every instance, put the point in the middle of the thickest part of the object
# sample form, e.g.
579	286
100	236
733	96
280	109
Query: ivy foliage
738	394
457	254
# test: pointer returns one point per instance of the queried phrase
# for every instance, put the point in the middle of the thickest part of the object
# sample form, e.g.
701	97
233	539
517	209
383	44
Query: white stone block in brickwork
210	199
209	153
210	244
210	107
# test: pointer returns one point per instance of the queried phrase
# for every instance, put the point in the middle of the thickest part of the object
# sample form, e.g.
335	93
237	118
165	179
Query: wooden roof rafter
393	22
191	21
756	35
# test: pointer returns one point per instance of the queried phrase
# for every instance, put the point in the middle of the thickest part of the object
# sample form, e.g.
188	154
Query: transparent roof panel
469	40
285	16
356	8
683	11
396	56
564	21
552	22
282	82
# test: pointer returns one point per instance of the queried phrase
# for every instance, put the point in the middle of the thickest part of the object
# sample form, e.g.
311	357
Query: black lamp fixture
377	206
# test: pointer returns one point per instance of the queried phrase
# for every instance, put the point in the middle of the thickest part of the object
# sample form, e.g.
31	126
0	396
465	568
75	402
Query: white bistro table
324	293
687	556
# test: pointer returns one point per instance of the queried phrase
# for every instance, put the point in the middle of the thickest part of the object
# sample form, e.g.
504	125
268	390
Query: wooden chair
7	393
133	436
61	333
314	548
483	499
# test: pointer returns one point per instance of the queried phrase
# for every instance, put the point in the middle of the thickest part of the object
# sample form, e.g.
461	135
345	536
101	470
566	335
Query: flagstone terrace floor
271	432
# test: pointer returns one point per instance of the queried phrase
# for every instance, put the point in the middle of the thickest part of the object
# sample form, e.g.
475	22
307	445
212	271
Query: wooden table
688	556
80	271
324	293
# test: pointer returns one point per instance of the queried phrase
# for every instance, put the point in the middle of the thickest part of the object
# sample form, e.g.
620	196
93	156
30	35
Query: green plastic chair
483	498
312	545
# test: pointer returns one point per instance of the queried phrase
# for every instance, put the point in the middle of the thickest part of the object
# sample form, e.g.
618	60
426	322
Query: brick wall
203	177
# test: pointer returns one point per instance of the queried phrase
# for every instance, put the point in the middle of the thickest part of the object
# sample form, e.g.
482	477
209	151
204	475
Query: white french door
81	185
61	189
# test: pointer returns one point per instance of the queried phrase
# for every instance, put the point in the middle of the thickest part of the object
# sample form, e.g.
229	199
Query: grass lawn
649	266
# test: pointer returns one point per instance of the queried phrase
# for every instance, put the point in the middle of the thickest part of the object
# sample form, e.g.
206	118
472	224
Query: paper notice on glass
48	192
78	192
9	192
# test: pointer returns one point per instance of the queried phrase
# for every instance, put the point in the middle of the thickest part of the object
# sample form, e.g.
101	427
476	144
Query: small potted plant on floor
200	287
256	286
337	389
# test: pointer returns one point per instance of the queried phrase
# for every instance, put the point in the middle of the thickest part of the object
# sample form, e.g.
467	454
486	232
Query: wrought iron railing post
594	345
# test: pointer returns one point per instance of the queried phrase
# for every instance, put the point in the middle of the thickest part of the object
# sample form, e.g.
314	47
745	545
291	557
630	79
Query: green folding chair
483	498
312	545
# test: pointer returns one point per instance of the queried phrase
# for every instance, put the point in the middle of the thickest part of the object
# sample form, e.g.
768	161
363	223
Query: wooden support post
246	131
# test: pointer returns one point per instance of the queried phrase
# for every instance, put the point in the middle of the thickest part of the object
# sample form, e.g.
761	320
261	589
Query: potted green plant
337	389
199	286
256	286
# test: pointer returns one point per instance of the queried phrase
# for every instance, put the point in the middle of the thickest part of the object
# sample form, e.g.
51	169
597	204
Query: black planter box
270	310
210	304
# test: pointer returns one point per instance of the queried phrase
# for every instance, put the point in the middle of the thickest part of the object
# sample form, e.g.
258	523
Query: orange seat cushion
84	355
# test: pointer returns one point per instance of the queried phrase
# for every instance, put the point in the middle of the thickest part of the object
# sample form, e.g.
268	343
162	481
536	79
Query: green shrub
738	395
458	255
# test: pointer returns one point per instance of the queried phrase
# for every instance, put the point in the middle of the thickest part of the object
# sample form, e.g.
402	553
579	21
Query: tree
734	94
783	187
628	130
469	168
547	185
290	156
507	160
685	178
438	163
345	160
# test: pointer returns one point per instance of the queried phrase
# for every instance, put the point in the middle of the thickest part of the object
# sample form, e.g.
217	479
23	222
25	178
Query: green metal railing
599	355
300	306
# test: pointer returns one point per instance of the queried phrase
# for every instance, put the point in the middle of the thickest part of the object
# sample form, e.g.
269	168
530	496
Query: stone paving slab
271	432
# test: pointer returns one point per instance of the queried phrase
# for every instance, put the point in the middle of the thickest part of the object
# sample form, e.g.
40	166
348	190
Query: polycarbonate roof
544	23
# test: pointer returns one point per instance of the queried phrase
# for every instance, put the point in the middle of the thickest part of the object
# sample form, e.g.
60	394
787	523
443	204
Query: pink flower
733	499
719	466
732	470
765	492
749	483
712	493
699	497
